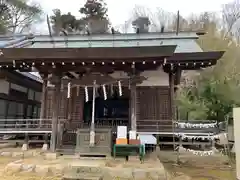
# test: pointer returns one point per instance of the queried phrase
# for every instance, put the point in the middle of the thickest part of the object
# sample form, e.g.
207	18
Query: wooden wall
152	108
153	112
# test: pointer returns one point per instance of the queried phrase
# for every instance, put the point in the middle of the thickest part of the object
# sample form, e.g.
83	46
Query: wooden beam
94	53
44	98
195	57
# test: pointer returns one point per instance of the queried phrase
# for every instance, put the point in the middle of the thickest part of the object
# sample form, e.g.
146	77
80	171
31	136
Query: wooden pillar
171	96
236	124
55	111
133	106
43	100
171	105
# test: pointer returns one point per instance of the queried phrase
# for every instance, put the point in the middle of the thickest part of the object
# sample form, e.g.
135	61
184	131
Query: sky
120	10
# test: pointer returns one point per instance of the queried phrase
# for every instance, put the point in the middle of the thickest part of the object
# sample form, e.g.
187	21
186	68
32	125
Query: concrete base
51	156
24	147
45	147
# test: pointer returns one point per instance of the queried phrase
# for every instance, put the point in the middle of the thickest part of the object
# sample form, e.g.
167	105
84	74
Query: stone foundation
94	169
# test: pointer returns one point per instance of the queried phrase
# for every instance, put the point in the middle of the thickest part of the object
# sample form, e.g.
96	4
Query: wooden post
133	107
171	104
44	100
92	128
55	112
171	96
236	124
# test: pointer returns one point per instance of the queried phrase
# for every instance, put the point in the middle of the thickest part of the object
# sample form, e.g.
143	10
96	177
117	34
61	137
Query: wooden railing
108	122
170	126
20	125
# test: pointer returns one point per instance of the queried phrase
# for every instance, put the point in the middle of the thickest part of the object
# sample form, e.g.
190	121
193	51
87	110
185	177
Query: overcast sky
120	10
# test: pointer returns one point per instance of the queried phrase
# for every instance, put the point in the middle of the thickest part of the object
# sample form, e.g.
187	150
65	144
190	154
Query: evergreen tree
95	14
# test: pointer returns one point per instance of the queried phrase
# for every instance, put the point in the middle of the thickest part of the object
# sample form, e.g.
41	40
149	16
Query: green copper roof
185	41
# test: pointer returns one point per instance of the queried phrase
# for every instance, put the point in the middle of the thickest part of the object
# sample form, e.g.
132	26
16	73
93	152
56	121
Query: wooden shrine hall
97	82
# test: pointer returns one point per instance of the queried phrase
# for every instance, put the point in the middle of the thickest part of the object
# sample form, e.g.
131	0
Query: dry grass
199	168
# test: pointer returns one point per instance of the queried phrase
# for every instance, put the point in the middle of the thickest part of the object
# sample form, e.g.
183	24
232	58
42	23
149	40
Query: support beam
55	111
44	99
171	96
171	104
133	106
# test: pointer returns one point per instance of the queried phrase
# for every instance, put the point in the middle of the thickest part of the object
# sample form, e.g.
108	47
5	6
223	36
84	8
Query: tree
154	21
95	15
230	16
21	15
216	88
142	24
66	22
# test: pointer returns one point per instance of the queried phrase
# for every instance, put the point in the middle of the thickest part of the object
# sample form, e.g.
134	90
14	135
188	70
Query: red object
134	141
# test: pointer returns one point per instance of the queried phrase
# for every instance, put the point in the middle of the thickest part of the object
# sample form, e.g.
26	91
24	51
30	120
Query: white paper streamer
199	153
199	125
210	136
104	92
120	88
69	90
86	94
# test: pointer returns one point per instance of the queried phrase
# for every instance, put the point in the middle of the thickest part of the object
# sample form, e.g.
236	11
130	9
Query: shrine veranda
98	82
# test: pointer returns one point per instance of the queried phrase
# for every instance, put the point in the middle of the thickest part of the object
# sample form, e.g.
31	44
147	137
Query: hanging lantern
86	94
104	92
69	90
120	88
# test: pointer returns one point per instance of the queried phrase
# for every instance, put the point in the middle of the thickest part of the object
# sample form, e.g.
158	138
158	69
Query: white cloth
147	139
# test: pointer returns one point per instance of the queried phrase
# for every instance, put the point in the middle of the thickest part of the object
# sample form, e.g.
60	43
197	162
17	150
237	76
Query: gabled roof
185	41
19	41
31	48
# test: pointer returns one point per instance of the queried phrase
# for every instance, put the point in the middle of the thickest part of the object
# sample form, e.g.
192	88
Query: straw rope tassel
69	90
120	88
86	94
104	92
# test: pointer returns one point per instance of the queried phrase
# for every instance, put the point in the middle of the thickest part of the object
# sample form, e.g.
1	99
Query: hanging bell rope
120	88
69	90
86	94
104	92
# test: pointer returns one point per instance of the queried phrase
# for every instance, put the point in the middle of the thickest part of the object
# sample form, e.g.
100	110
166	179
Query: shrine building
95	82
